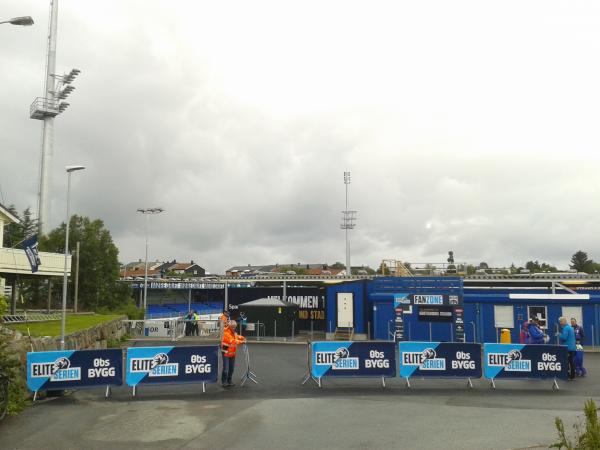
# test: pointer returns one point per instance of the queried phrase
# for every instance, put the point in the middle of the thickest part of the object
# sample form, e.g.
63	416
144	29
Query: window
503	316
540	313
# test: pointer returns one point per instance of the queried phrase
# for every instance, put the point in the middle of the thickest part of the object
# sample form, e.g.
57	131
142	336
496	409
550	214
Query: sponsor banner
159	328
150	365
399	323
459	324
69	369
353	359
524	361
435	313
439	359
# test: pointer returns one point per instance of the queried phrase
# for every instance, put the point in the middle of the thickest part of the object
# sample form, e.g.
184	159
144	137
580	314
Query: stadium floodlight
63	106
65	92
24	21
147	212
66	79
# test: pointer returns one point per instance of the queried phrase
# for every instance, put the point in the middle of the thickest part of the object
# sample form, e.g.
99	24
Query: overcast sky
467	125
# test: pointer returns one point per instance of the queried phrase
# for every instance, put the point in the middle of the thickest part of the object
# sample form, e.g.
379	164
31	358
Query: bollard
430	335
258	330
275	328
368	330
293	322
505	336
497	336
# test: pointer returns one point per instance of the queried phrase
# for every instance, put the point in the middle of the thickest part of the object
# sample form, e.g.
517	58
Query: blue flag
30	245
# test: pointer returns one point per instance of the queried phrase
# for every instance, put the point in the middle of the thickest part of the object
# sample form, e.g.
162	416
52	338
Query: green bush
587	435
9	365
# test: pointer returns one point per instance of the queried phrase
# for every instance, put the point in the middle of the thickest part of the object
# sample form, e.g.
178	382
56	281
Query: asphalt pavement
280	413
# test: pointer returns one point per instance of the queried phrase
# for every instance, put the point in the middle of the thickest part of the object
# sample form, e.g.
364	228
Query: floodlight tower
348	223
147	212
46	108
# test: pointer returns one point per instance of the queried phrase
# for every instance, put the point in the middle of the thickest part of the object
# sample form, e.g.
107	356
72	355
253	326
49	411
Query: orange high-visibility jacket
224	318
230	342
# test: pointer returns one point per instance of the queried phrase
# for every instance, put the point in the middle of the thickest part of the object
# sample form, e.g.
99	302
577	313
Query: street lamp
25	21
69	169
147	212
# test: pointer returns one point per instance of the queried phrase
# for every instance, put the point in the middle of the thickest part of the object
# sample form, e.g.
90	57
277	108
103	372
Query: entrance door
345	309
540	313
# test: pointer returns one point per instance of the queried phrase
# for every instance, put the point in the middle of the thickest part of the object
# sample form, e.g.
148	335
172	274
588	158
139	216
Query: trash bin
505	336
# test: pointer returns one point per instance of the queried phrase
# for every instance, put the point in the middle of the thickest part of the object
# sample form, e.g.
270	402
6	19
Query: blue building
489	304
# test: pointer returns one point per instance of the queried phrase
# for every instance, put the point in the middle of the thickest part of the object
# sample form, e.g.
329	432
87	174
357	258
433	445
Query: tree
338	265
14	233
580	261
98	262
483	265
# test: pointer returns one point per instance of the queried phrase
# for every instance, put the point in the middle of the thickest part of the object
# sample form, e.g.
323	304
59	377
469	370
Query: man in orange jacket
229	344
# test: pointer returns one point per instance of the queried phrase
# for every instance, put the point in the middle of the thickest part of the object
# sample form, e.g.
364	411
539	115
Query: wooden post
49	294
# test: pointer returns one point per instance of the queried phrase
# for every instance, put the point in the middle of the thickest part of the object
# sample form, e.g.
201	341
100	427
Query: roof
7	213
268	302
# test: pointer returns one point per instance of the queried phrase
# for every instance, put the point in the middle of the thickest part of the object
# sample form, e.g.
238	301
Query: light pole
46	108
147	212
348	223
69	169
25	20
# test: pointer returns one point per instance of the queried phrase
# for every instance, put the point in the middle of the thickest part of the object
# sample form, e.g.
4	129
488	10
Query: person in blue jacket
567	337
536	335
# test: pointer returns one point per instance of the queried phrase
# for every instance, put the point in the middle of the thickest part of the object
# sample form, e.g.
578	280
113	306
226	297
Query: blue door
383	320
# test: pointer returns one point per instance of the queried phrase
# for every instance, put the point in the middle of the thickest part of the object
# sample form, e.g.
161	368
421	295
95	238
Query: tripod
248	374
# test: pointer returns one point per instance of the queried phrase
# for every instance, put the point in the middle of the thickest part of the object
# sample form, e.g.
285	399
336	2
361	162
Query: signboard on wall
435	313
310	301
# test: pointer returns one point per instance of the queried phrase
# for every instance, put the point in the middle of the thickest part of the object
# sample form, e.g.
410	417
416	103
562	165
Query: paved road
281	414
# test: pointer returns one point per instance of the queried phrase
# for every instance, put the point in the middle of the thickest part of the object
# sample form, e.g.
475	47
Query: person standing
536	335
229	344
578	330
567	338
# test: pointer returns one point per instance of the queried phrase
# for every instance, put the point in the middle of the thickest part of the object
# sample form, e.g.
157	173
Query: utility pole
76	279
348	223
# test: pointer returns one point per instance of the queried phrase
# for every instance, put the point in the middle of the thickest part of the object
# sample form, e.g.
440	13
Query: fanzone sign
439	359
171	364
353	359
68	369
525	361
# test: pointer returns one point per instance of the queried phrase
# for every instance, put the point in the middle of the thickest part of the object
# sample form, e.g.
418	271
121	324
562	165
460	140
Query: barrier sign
353	359
525	361
439	359
150	365
69	369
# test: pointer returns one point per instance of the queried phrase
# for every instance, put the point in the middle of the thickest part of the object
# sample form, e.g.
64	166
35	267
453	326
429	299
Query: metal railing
33	317
43	107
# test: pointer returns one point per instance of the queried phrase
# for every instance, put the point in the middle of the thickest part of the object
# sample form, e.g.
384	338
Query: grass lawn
74	323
